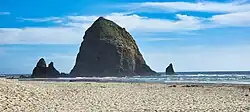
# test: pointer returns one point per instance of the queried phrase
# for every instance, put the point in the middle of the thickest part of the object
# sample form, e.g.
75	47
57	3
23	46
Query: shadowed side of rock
109	50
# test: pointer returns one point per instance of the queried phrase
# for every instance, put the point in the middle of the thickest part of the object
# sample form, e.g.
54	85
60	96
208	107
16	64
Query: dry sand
16	96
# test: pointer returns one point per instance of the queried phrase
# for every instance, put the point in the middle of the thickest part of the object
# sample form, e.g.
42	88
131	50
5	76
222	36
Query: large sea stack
42	71
109	50
170	70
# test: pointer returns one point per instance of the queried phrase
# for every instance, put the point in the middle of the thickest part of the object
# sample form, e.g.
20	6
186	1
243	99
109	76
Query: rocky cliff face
42	71
109	50
170	70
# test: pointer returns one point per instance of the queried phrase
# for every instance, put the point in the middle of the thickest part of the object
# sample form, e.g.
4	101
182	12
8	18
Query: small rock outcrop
64	74
42	71
170	70
51	70
22	76
109	50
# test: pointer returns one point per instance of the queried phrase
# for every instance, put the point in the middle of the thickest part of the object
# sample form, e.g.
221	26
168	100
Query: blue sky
194	35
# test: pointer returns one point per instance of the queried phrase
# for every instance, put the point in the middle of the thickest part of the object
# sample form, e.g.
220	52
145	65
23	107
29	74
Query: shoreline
125	80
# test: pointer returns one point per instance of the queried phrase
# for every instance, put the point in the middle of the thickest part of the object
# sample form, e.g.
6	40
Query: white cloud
82	26
73	27
47	19
134	22
200	58
232	19
152	39
5	13
184	23
82	18
56	35
202	6
72	31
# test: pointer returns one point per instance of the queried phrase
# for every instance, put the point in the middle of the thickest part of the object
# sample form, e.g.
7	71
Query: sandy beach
30	96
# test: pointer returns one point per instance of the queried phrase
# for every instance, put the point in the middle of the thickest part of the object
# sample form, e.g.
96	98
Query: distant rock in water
109	50
64	74
42	71
51	71
170	70
22	76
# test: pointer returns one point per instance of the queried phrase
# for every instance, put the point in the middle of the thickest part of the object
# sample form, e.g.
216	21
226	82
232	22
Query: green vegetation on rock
109	50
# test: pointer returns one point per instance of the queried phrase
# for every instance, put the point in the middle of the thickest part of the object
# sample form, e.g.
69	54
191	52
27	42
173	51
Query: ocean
230	77
225	77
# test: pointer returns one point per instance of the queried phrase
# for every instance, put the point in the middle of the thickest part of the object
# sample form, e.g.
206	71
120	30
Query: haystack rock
109	50
42	71
170	70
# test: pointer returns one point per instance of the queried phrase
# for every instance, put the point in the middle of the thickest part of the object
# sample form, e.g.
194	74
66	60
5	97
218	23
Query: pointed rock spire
51	71
41	63
51	65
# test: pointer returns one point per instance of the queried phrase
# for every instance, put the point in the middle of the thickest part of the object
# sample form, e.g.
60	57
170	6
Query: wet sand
39	96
